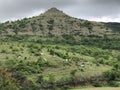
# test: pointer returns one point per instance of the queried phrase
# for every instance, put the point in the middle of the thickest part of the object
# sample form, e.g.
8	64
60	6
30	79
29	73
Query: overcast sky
97	10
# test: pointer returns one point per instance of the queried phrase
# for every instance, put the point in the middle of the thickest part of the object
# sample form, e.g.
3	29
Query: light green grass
102	88
62	67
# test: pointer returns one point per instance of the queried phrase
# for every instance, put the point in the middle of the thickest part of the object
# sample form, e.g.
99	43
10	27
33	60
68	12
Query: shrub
7	83
3	51
97	84
114	84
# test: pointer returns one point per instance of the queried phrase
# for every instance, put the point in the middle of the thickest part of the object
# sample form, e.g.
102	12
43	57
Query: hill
54	51
55	23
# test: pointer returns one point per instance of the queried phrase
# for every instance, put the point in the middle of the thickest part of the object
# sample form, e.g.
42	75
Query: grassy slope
18	51
100	60
103	88
95	60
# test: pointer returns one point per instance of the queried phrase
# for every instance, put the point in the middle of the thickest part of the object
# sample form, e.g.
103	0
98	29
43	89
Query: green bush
7	83
114	84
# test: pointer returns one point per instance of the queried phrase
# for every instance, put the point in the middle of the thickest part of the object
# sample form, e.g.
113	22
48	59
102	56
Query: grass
101	88
27	53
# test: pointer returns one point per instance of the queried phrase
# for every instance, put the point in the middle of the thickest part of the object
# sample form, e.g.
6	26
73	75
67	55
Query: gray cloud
87	9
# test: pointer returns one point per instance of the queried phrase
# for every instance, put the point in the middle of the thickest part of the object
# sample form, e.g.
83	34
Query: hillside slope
55	23
54	51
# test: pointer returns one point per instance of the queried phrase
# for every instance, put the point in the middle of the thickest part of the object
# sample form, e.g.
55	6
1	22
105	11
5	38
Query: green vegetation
35	65
56	23
104	88
54	51
6	82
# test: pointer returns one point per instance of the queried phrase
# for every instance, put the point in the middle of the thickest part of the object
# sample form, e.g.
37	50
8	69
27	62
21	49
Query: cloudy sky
96	10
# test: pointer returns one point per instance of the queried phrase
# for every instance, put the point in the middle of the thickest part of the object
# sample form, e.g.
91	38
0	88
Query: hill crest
55	22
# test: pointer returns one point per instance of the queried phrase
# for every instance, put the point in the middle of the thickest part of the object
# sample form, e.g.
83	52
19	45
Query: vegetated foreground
104	88
32	66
